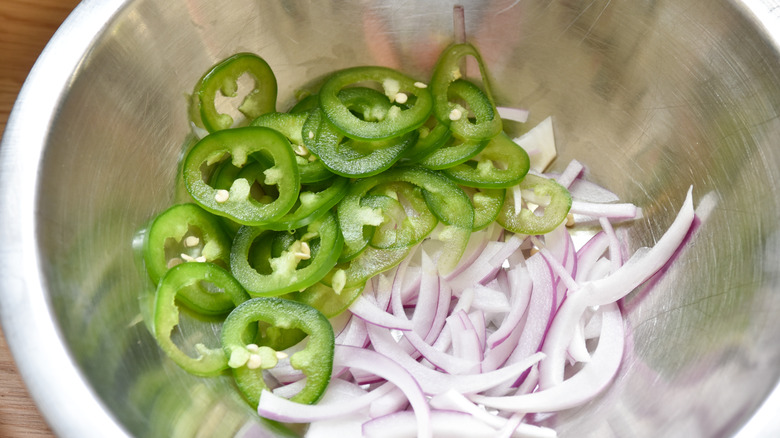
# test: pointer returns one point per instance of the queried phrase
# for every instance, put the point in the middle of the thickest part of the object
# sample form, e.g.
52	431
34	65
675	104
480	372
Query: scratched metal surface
653	96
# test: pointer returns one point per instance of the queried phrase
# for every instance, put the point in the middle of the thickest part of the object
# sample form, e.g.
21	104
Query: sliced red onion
583	386
643	264
510	426
540	309
584	190
530	383
521	285
612	211
513	114
381	365
497	355
601	269
539	142
434	382
560	271
449	424
496	335
347	426
442	310
570	173
454	364
477	243
479	325
589	254
354	334
366	310
485	268
578	350
428	297
341	398
490	300
465	342
395	400
614	244
457	402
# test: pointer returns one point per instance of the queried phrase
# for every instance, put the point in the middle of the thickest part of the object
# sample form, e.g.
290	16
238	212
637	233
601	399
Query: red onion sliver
590	252
521	285
644	264
581	387
614	244
428	297
612	211
540	309
434	382
449	363
354	334
573	170
513	114
583	190
539	142
381	365
455	401
366	310
338	401
443	424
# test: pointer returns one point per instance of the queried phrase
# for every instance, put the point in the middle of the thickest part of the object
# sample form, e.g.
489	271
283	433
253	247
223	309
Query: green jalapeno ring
443	197
314	201
182	232
447	81
223	77
184	283
325	299
352	158
409	220
487	205
431	136
300	263
237	203
452	153
248	361
523	220
502	164
290	125
416	98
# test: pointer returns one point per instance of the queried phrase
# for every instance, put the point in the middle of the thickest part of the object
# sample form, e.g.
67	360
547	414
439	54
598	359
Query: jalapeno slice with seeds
272	263
248	360
222	78
189	283
401	89
238	202
183	233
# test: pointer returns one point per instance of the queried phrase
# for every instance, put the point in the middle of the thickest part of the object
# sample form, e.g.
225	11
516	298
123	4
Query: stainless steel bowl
652	95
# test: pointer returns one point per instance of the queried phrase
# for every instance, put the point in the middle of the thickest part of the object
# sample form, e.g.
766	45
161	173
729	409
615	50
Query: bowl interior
652	96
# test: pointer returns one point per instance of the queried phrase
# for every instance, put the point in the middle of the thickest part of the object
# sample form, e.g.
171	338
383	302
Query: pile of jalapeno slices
293	212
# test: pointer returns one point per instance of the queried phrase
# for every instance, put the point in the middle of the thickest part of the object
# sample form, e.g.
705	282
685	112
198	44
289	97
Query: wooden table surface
25	28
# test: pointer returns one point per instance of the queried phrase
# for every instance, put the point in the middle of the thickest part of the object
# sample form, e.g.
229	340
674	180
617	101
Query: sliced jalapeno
503	163
413	95
222	78
448	89
290	125
239	203
184	232
272	263
554	198
249	360
188	283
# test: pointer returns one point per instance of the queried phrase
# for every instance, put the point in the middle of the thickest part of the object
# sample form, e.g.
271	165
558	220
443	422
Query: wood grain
25	28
